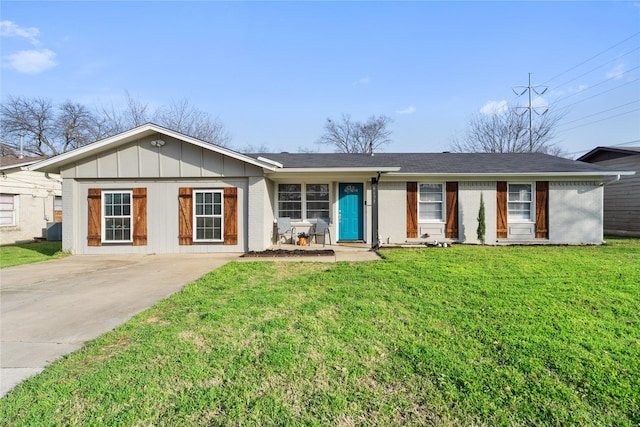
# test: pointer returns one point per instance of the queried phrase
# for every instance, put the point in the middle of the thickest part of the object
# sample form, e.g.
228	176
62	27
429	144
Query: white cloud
616	73
410	109
32	61
11	29
362	81
493	108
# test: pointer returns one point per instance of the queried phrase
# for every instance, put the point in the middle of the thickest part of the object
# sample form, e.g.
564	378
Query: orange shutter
452	210
542	210
501	209
185	215
412	209
230	216
94	217
139	216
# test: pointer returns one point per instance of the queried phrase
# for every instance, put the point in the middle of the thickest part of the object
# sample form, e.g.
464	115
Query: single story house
154	190
622	196
30	202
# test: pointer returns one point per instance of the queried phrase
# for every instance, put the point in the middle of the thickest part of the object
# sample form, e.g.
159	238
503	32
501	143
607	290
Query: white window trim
14	212
104	216
303	200
195	216
532	212
443	202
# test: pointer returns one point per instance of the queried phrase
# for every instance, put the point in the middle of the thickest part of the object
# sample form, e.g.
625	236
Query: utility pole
531	89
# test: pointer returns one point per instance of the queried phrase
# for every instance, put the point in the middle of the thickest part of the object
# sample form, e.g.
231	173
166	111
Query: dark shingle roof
599	152
439	163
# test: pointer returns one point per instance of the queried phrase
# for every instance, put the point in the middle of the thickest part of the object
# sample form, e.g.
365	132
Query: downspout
611	181
375	235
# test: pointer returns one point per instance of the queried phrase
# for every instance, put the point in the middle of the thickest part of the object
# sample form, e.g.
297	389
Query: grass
29	253
467	335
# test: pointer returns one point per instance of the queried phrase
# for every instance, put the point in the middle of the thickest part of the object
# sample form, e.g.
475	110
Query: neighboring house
621	196
30	202
153	190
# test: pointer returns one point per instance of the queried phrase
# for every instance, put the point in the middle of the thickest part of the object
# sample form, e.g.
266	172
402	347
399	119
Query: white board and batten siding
162	171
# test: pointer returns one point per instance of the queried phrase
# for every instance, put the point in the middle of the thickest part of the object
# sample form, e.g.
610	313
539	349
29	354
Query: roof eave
385	169
143	130
517	174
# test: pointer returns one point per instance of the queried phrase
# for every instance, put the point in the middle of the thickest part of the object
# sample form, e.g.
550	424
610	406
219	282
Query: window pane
117	229
430	192
430	211
290	200
519	192
519	210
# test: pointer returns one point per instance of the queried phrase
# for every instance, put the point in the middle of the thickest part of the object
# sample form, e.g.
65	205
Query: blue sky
274	71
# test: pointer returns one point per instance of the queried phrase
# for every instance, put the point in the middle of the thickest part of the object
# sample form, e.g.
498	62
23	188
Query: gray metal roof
439	163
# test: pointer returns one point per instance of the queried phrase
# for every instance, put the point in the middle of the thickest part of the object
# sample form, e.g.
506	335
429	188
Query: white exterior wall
260	214
34	196
469	206
70	215
575	212
162	217
392	220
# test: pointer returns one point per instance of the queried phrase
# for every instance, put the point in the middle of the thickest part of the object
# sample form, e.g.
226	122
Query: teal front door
350	211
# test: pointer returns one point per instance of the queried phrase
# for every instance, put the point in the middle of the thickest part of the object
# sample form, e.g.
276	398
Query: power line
593	57
601	112
601	120
617	76
597	94
599	66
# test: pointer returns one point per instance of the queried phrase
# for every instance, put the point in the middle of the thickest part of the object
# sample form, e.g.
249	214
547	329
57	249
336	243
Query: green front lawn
467	335
29	253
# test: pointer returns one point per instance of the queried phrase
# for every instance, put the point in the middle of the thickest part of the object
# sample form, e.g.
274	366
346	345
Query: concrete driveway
51	308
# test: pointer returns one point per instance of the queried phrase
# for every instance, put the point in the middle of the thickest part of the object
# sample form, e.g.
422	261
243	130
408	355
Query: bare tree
183	117
508	132
74	126
47	129
111	121
31	119
348	136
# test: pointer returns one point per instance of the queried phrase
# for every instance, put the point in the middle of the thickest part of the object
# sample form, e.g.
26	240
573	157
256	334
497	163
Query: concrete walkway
52	308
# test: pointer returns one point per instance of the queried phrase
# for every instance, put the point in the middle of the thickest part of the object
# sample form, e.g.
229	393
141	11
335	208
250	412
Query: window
519	202
317	198
430	202
7	210
208	215
304	201
57	209
290	200
117	216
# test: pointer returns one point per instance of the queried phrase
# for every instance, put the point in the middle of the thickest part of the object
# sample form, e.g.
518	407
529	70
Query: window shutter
94	217
139	216
501	209
230	216
452	210
185	215
412	209
542	210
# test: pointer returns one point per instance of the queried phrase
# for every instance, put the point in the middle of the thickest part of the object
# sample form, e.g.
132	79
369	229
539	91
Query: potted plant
303	239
